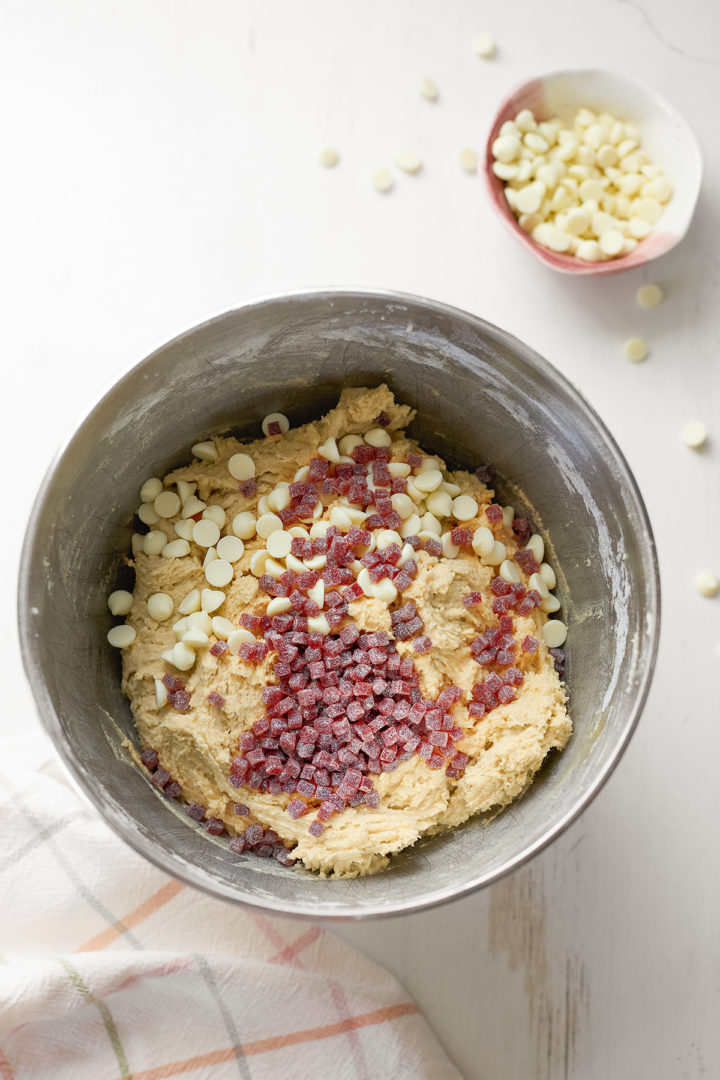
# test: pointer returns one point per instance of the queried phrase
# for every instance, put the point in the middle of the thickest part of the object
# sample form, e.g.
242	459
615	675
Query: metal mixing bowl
481	396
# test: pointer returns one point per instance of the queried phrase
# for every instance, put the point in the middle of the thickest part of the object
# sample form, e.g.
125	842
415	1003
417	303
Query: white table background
159	164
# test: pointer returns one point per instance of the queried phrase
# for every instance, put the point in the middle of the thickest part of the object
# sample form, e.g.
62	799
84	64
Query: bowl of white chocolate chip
340	604
594	172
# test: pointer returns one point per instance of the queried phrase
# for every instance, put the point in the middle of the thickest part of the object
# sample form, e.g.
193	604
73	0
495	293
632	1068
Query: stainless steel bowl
481	396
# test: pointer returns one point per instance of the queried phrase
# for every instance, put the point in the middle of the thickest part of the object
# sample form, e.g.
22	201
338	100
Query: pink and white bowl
666	135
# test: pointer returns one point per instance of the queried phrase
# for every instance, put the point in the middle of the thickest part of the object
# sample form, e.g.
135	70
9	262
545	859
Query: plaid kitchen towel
111	969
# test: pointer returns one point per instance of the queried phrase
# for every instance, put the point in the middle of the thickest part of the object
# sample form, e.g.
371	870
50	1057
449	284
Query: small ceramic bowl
666	136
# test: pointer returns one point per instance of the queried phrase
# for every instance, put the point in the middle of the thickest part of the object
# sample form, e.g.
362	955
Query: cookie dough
505	748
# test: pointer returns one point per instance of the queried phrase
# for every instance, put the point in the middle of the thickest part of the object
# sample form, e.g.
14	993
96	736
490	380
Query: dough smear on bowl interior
336	645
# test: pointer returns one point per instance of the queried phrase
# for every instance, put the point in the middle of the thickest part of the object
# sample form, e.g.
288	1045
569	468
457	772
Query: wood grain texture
161	165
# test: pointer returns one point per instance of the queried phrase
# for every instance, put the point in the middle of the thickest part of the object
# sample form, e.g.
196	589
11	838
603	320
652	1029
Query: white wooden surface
159	165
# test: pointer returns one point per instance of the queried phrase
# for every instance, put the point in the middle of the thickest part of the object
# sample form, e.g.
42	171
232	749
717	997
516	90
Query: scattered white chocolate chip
438	503
161	693
705	583
428	480
219	573
548	575
536	544
279	498
244	525
468	159
363	580
317	593
318	624
121	636
483	541
148	514
485	46
278	605
385	591
206	451
450	550
550	603
184	527
238	638
382	181
210	554
340	517
537	582
508	513
403	505
554	633
263	506
180	656
205	533
497	554
295	564
408	161
509	571
175	549
274	568
160	606
193	506
211	600
430	524
167	504
329	451
410	526
154	542
695	434
215	513
185	490
190	603
181	626
120	602
464	507
328	157
150	490
268	524
275	418
241	467
649	296
635	349
200	619
347	444
378	437
230	548
222	628
428	89
279	543
196	638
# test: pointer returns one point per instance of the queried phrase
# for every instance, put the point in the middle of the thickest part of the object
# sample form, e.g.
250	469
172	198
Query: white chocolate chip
241	467
263	507
509	571
222	628
363	580
161	693
536	582
378	437
195	638
295	564
238	638
410	526
384	591
407	160
428	89
154	542
450	550
150	490
121	636
278	543
554	633
452	489
468	159
706	584
649	295
497	555
205	451
268	524
694	435
428	480
120	602
210	554
274	568
328	157
244	525
278	605
302	474
485	46
230	548
215	513
275	418
167	504
190	603
550	603
508	513
317	593
219	573
536	544
180	656
148	514
612	242
137	543
464	507
201	620
348	443
548	575
176	549
318	624
430	524
317	562
193	506
387	538
160	606
205	533
635	350
382	181
506	148
329	451
439	503
483	541
211	600
185	490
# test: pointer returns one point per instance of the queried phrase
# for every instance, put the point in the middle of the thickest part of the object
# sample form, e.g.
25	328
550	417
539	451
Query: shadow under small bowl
481	396
666	136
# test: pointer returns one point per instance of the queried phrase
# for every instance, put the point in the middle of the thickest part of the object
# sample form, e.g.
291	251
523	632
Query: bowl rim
118	819
566	264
